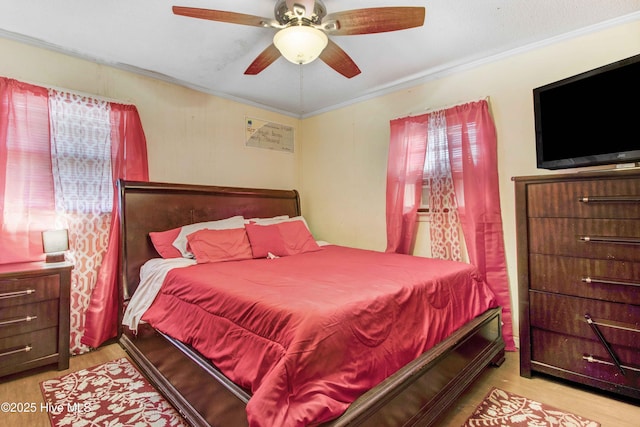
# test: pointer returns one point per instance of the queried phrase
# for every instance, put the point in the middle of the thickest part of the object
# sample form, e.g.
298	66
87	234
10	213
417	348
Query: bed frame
418	394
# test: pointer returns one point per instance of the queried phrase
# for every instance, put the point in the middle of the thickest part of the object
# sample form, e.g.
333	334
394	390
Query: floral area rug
112	394
503	409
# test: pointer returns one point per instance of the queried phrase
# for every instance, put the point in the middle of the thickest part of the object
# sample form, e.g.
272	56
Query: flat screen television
590	119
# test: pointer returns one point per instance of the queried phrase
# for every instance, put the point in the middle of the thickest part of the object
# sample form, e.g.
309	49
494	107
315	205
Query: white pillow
224	224
277	220
267	221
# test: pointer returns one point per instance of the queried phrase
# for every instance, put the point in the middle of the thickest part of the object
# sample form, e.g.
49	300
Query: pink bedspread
309	333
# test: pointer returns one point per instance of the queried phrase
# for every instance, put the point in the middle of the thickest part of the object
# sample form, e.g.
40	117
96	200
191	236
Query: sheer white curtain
443	209
81	164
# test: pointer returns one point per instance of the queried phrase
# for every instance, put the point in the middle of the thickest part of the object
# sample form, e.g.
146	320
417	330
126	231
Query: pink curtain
472	143
129	161
407	149
26	184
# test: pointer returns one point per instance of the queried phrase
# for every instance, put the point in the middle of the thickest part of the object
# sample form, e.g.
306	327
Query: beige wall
192	137
344	155
340	160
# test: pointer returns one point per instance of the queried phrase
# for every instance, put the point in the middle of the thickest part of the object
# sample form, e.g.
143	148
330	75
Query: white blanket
152	275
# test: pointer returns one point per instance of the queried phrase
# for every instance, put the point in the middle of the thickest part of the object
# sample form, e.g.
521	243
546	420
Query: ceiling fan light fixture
300	44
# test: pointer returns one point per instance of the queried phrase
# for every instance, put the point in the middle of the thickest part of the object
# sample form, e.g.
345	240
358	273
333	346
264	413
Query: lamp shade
300	44
54	244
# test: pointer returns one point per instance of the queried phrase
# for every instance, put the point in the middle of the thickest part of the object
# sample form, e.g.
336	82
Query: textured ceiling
146	37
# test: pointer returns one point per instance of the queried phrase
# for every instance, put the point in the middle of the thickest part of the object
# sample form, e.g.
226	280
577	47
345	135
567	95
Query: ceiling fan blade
223	16
373	20
266	58
336	58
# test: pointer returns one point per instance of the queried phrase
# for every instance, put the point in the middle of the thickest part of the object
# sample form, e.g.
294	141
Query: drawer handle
14	321
608	281
27	348
17	294
593	359
615	240
604	342
617	325
609	199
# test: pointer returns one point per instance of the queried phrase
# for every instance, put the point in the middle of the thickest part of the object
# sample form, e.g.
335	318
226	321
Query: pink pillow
163	242
219	245
282	239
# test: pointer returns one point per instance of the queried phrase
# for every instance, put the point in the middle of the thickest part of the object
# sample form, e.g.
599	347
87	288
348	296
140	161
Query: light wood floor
609	412
26	389
596	407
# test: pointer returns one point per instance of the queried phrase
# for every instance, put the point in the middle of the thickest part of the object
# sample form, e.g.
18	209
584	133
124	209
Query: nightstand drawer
28	317
16	291
18	349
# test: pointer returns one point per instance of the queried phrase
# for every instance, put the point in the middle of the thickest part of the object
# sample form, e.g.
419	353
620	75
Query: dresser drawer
28	317
18	349
16	291
619	323
586	361
586	238
607	280
602	198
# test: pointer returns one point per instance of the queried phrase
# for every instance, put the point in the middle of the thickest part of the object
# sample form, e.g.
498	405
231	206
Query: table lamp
55	243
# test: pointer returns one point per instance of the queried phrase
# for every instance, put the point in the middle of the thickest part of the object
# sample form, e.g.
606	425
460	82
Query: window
81	153
28	164
424	199
436	170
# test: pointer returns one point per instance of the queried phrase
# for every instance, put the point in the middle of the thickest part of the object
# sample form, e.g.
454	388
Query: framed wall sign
270	135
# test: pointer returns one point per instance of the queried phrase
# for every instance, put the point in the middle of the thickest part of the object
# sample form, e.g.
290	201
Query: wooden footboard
416	395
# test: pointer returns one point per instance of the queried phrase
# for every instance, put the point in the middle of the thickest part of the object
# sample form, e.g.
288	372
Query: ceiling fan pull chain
301	92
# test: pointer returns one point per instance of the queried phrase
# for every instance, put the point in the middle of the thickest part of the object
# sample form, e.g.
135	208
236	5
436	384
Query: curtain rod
90	95
75	92
428	110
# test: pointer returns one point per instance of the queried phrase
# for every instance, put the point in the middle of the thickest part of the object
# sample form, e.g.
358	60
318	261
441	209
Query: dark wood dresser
34	316
579	277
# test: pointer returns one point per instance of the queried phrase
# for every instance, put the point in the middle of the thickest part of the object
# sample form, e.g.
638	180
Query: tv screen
590	119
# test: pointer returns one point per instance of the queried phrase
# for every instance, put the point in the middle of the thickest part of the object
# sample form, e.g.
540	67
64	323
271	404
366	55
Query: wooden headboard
154	206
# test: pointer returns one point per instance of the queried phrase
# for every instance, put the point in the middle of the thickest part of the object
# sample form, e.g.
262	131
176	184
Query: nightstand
34	316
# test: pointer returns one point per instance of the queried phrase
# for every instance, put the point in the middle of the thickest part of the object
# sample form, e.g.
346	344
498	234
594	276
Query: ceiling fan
303	27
